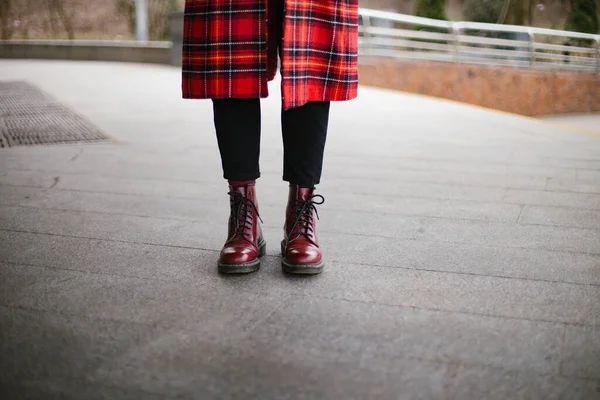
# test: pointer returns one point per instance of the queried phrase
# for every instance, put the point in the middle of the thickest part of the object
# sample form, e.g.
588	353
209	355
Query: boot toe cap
303	255
238	255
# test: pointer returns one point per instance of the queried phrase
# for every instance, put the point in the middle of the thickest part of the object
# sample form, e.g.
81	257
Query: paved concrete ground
463	251
587	122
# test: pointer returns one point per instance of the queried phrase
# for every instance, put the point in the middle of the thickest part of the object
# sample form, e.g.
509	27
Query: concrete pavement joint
469	167
163	196
387	212
82	271
472	162
76	315
375	303
420	239
420	181
410	237
508	114
563	226
440	310
511	247
194	220
108	240
276	257
437	271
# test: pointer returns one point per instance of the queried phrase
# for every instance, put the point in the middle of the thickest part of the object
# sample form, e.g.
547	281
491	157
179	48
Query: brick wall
519	90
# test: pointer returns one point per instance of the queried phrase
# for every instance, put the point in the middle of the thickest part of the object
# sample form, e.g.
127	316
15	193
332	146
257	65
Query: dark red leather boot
245	242
300	247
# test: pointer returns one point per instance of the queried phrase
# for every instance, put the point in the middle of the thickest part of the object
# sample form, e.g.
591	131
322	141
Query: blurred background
115	19
530	57
82	19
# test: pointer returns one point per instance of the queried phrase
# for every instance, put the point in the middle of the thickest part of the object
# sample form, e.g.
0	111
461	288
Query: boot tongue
241	189
305	193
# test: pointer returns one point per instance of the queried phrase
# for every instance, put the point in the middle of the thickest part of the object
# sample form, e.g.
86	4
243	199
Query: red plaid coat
229	49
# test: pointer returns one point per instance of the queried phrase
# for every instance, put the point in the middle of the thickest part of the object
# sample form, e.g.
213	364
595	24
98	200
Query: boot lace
242	210
303	212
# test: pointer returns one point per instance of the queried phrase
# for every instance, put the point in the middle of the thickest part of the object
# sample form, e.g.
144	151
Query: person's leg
237	123
304	132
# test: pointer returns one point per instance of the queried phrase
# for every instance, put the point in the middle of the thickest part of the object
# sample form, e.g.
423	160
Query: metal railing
388	34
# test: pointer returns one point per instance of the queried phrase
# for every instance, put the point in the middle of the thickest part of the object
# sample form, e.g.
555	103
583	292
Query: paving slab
128	163
41	346
581	352
272	212
462	254
569	185
305	339
588	175
16	277
565	161
502	297
481	295
70	390
522	236
560	216
223	310
409	184
154	261
588	201
589	122
200	234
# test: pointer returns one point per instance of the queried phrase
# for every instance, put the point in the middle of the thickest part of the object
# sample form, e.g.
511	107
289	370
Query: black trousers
304	131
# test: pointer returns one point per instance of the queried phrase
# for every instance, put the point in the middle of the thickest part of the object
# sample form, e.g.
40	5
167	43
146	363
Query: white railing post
531	47
367	29
141	20
598	54
456	33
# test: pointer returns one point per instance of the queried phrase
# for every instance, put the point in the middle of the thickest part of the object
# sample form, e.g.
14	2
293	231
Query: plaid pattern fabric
225	52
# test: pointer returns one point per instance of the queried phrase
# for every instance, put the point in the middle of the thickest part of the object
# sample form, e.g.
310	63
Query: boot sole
299	269
244	268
